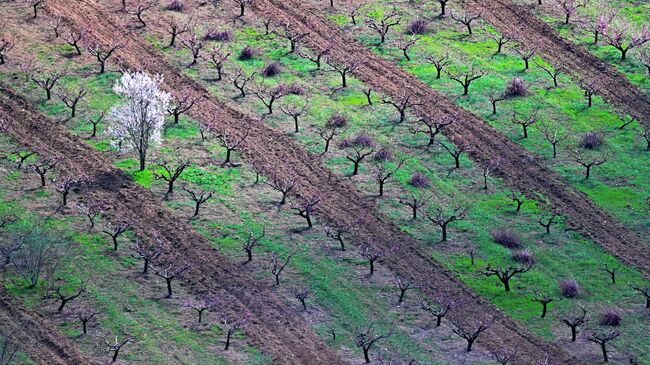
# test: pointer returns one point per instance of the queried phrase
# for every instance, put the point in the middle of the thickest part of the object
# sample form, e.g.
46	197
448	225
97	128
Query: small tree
75	38
624	37
302	293
445	214
403	284
570	7
200	306
6	45
218	57
382	25
611	270
543	299
194	44
573	321
505	274
601	23
138	10
276	266
103	53
343	70
548	219
553	134
501	40
72	98
85	314
443	7
94	120
138	121
116	346
406	44
282	185
361	146
115	230
416	201
43	167
231	141
199	197
147	252
466	19
374	254
170	172
169	273
402	104
438	306
182	104
553	72
439	61
589	162
59	293
233	324
433	127
47	81
35	5
242	6
589	90
175	28
305	206
383	170
64	184
252	241
526	53
292	36
334	126
295	112
524	122
466	78
268	96
602	339
21	157
366	337
456	151
240	80
91	210
337	230
471	332
645	291
317	57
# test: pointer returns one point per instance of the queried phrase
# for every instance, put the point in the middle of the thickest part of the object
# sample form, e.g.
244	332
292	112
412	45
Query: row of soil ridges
613	86
37	337
276	152
274	328
521	170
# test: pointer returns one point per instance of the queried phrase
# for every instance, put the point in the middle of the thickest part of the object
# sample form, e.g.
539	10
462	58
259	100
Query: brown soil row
278	155
276	329
519	168
613	86
37	337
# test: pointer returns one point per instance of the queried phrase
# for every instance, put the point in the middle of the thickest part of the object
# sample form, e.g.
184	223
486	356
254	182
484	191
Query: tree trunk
573	334
470	342
604	348
443	227
365	355
356	168
169	287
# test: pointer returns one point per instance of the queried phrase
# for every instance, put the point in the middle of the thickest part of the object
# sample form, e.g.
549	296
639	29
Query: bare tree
233	325
240	80
47	81
200	306
6	45
627	121
438	306
602	339
445	214
548	219
456	151
433	127
361	146
406	44
91	210
367	336
334	126
292	36
295	112
466	78
553	72
115	230
402	104
505	356
570	7
337	230
85	314
305	206
588	162
35	5
524	122
59	293
544	299
231	141
242	6
355	11
526	53
199	197
175	28
573	321
443	7
470	334
644	56
611	270
302	293
383	170
466	19
403	284
64	184
501	40
169	273
170	172
317	57
42	167
415	201
252	241
439	61
147	252
472	251
183	104
344	70
194	43
116	346
382	25
103	53
276	266
140	7
268	96
71	99
552	134
589	90
282	185
218	57
518	199
646	135
505	274
75	38
374	254
645	291
494	98
94	121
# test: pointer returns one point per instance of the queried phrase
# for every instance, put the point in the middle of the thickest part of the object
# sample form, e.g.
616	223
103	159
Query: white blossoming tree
137	122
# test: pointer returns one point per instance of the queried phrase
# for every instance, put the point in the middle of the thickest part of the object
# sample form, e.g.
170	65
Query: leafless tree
445	214
526	53
233	325
415	201
544	299
282	185
231	141
524	122
47	81
94	120
336	125
361	146
602	339
174	28
383	170
589	90
439	61
116	346
355	11
382	25
71	98
60	294
344	70
455	151
588	162
646	135
169	273
75	38
518	199
42	167
269	95
367	336
552	134
199	196
292	36
295	112
505	274
626	121
200	306
501	39
115	230
85	314
337	230
471	332
218	57
548	219
103	53
432	127
6	45
240	79
505	356
403	284
183	104
570	7
317	58
242	6
438	306
553	72
466	78
35	5
302	293
138	10
305	206
644	56
443	7
64	184
194	44
374	254
252	241
405	44
645	291
472	251
611	270
21	157
170	172
147	252
402	104
466	19
573	321
91	210
276	266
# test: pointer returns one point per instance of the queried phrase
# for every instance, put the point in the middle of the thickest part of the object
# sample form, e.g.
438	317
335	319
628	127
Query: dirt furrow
37	337
278	155
276	329
518	167
614	87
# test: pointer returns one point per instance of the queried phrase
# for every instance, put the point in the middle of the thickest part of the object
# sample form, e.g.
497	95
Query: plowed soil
613	86
520	169
278	155
37	337
276	329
